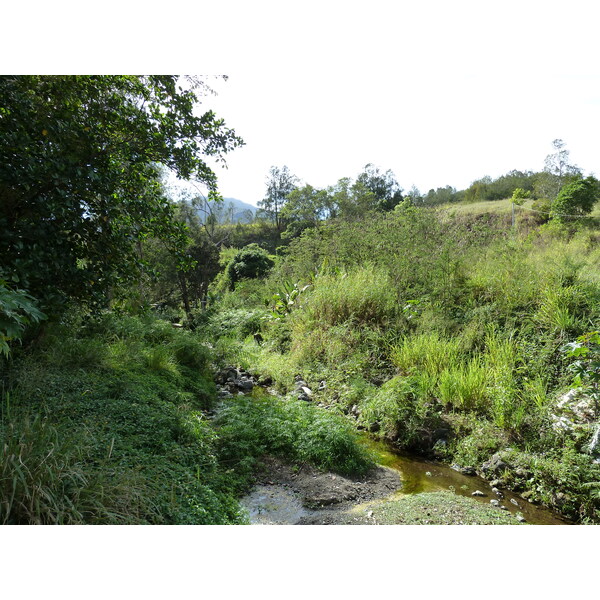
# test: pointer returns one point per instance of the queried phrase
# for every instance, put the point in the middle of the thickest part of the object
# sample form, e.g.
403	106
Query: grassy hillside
444	332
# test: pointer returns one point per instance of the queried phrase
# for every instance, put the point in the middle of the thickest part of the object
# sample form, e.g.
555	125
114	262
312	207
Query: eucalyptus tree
557	171
280	183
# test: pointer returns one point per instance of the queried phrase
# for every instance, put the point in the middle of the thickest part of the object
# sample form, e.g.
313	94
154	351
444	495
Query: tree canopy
80	170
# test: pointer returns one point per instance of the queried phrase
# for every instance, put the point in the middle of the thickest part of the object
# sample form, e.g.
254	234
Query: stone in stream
477	493
494	466
521	519
463	470
495	502
245	385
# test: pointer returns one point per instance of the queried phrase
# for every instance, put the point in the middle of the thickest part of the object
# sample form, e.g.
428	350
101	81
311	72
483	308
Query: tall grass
427	352
362	295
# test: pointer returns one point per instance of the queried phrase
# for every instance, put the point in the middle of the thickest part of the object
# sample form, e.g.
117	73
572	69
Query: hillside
231	210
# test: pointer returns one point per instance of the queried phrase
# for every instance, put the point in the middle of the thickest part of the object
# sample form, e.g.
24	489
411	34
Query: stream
283	497
419	475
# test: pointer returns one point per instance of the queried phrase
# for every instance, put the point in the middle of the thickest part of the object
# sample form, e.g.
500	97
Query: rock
322	386
307	391
463	470
521	519
494	466
245	385
495	502
428	473
503	507
495	483
477	493
227	374
513	501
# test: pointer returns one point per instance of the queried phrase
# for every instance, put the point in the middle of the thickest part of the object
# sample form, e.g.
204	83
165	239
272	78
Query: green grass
439	508
105	425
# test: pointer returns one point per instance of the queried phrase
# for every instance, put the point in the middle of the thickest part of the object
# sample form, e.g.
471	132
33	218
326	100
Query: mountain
232	210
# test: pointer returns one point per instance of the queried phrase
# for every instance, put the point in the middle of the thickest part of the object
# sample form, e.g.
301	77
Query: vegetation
460	324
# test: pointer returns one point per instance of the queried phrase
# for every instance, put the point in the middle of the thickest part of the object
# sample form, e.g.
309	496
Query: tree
305	207
557	171
576	199
251	262
384	187
280	183
80	176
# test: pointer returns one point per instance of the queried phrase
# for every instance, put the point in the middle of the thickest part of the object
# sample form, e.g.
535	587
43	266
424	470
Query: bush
251	262
401	414
251	427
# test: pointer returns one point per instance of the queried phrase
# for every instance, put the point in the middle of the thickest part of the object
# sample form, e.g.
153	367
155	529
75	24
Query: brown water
419	475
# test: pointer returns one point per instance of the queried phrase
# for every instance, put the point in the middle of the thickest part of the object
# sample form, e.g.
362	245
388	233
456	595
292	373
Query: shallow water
419	475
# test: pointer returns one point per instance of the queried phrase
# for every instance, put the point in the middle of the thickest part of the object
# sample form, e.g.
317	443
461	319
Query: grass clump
362	295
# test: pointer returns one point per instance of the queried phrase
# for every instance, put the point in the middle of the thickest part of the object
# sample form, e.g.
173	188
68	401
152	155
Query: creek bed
420	475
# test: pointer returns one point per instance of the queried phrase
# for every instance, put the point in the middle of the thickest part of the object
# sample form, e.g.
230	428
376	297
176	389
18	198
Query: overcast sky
441	92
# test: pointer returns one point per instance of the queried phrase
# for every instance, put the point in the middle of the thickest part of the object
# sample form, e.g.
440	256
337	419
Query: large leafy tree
384	187
576	199
80	164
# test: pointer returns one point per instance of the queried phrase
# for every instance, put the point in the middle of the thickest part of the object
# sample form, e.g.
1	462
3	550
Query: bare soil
302	495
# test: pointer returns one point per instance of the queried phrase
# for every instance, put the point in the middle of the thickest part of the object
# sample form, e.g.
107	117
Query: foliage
251	262
250	427
282	302
80	160
586	367
17	310
280	183
116	439
401	413
383	186
576	199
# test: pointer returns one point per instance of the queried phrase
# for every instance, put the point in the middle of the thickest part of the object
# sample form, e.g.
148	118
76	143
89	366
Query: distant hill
232	210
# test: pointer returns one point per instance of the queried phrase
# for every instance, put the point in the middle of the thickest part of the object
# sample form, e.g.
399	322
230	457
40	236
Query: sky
442	93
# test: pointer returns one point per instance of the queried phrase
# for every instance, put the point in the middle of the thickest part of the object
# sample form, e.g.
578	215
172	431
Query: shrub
251	262
401	414
250	427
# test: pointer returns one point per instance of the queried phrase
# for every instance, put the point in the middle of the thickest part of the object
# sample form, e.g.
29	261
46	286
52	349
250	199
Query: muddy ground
303	495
